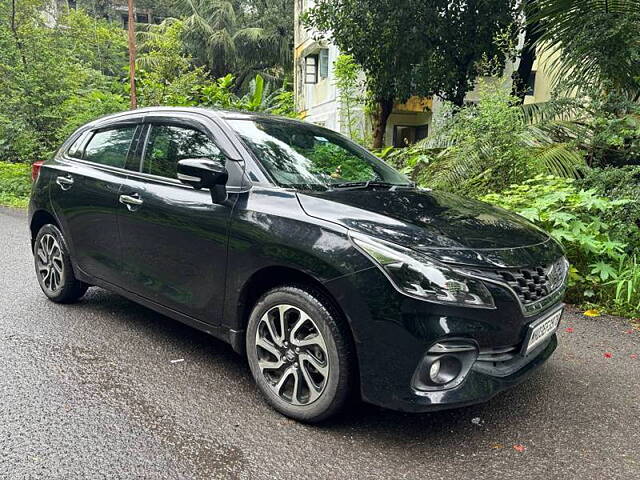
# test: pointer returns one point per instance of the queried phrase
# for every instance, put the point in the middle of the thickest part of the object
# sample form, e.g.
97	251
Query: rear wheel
299	353
53	267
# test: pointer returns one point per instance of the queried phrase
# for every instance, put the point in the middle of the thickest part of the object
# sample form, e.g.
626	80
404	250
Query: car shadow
505	412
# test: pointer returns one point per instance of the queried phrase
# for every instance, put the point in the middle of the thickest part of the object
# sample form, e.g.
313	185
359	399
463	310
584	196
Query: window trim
83	138
323	65
239	160
316	68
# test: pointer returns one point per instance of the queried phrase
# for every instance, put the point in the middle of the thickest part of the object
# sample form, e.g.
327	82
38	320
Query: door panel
174	247
174	238
87	209
85	197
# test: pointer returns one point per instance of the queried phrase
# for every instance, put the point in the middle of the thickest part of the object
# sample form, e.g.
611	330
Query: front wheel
299	353
53	267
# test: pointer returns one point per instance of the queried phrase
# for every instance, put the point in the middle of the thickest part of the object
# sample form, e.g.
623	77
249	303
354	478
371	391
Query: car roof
210	112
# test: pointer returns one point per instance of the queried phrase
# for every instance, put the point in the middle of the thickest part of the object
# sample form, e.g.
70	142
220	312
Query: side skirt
232	337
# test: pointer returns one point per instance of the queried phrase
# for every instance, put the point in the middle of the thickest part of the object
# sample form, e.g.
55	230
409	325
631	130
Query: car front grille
534	284
530	284
535	287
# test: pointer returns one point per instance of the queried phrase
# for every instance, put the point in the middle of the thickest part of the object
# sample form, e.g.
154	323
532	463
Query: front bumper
479	386
393	332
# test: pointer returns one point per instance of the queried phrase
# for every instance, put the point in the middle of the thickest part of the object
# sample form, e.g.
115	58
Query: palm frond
579	59
559	159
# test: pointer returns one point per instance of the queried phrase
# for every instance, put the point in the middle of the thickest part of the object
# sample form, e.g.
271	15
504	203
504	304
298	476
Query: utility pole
132	55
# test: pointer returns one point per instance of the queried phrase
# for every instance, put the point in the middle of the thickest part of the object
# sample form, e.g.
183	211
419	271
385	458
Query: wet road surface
89	391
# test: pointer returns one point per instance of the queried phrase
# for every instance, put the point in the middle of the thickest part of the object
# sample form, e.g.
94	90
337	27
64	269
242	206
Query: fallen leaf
497	446
591	313
608	355
519	448
569	330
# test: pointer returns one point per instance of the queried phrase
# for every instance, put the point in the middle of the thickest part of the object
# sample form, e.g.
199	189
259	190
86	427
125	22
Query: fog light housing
445	365
447	368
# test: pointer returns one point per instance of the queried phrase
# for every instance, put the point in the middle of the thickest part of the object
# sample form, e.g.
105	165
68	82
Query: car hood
447	227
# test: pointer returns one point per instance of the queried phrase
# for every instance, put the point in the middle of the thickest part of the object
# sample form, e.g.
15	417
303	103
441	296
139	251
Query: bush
484	147
15	184
618	183
624	287
573	216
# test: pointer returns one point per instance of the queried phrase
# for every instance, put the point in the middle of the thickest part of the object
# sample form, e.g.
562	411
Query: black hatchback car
331	271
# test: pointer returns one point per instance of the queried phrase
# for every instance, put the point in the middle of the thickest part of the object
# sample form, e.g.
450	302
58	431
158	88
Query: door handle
131	201
65	183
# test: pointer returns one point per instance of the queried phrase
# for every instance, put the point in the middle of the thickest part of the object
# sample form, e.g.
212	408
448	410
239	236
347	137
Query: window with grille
311	69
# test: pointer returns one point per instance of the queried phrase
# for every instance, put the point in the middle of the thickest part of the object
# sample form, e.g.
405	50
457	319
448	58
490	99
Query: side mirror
204	173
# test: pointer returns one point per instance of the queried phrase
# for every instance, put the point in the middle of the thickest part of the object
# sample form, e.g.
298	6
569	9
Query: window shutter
324	63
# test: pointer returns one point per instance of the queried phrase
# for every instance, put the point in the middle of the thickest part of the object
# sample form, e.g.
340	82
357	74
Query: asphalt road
89	391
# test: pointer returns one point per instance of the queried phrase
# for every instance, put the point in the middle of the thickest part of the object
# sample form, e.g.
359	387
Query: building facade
318	99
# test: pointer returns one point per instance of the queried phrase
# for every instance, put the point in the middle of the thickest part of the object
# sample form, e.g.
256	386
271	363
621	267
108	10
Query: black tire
338	384
65	287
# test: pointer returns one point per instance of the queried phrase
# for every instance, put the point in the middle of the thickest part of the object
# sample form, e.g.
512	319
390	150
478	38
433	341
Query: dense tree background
58	74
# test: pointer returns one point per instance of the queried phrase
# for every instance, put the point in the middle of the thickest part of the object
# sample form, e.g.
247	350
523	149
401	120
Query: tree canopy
415	47
241	36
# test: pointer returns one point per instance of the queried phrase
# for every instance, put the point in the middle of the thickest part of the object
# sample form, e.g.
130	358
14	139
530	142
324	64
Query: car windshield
306	156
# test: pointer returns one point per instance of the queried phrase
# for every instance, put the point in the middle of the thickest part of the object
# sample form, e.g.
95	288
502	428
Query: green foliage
572	216
485	147
624	286
15	184
87	106
605	125
412	47
350	86
241	36
42	68
619	183
59	75
593	43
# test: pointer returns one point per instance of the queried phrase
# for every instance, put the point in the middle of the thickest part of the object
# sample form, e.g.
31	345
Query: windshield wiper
369	184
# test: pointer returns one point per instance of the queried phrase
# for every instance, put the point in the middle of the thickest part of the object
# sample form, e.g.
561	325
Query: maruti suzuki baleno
331	271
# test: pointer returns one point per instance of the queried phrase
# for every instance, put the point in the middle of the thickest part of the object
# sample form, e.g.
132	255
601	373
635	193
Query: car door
173	237
85	196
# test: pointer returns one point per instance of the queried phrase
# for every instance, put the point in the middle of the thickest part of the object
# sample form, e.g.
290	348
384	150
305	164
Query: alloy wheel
292	354
49	262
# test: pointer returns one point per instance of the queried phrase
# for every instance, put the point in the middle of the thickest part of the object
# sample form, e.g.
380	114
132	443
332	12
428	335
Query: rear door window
75	150
169	144
110	147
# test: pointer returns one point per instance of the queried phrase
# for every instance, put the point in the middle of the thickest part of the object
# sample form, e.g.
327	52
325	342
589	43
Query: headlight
417	276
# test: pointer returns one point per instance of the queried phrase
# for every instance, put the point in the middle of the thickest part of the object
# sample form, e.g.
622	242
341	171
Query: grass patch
15	184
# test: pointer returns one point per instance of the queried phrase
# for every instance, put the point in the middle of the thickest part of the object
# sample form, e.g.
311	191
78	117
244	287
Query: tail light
35	170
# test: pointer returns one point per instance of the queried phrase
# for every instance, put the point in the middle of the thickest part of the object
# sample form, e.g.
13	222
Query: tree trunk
385	107
14	30
458	98
132	55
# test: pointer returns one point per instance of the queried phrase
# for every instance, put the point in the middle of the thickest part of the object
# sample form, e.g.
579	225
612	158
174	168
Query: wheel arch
271	277
39	219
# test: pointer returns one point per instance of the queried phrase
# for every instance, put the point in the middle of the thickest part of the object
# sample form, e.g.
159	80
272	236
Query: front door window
169	144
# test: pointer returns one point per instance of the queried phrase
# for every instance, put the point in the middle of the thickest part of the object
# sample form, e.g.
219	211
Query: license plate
542	330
